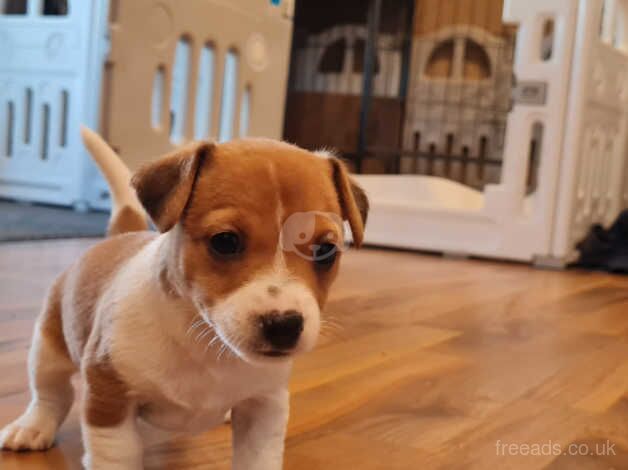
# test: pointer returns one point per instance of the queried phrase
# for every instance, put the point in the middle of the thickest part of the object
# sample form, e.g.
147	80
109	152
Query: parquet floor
431	363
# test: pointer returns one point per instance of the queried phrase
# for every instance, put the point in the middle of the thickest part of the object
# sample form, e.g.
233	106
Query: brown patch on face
243	188
127	220
352	198
106	401
273	291
86	281
164	186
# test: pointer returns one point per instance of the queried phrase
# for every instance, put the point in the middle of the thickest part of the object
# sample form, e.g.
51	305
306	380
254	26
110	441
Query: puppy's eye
226	244
325	255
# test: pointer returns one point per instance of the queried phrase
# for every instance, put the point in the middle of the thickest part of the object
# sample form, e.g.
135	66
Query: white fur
118	447
196	395
186	363
50	401
115	171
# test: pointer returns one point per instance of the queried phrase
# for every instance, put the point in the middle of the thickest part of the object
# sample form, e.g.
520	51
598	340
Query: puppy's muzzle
281	330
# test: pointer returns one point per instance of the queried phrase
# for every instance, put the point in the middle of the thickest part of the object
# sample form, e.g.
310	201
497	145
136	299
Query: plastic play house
148	74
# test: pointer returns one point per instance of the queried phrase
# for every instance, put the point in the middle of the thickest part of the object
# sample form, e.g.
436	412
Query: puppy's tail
127	214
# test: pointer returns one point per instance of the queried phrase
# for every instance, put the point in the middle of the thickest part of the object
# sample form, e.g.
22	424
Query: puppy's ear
353	201
164	186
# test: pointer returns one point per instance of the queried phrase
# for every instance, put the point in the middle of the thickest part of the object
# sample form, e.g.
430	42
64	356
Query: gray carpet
19	221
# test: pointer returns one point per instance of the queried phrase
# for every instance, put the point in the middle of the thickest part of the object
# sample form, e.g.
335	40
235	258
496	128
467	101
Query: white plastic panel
228	99
502	222
204	93
245	112
592	182
49	75
179	93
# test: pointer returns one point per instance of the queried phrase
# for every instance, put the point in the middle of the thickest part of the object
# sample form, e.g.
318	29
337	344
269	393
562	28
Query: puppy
170	330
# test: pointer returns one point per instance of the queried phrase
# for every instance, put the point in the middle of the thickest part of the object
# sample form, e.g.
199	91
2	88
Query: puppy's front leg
259	430
109	423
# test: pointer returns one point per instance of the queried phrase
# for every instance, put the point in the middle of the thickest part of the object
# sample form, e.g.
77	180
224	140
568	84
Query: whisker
203	334
210	342
213	340
195	325
221	351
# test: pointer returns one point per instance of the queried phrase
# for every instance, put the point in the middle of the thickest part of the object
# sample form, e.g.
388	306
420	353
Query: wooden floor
431	363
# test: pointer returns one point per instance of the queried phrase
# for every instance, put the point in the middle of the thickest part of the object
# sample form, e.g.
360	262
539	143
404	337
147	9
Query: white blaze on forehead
279	264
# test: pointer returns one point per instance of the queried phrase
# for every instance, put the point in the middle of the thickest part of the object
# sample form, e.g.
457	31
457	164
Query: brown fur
107	396
50	321
249	187
164	187
354	210
53	380
86	281
127	220
217	204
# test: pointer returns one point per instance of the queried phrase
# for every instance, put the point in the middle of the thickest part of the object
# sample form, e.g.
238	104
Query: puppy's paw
28	433
16	437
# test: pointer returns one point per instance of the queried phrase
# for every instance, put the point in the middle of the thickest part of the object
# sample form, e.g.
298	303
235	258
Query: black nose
282	330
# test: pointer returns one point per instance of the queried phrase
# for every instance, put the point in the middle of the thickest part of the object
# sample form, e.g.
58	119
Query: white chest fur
180	384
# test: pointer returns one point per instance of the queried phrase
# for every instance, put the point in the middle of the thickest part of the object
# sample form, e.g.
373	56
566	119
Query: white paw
86	461
29	433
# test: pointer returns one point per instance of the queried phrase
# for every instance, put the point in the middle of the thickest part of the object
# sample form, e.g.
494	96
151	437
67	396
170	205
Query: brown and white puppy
171	330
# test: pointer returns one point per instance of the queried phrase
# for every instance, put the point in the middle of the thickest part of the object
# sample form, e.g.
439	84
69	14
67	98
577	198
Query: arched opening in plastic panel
245	112
534	156
440	63
204	93
620	27
228	98
547	40
28	115
333	58
54	7
64	110
477	65
14	7
179	92
44	134
9	129
157	101
614	23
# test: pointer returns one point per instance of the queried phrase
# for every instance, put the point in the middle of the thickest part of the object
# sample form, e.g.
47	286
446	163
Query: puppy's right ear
165	186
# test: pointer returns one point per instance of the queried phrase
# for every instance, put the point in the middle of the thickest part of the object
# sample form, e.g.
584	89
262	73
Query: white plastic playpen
578	118
50	64
234	63
169	71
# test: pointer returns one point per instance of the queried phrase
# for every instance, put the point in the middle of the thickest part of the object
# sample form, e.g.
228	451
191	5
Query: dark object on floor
606	249
19	221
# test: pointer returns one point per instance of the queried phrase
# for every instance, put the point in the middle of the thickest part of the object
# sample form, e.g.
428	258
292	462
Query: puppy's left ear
165	186
353	201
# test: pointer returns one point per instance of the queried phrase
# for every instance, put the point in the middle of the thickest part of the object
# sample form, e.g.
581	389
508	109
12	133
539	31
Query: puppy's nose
282	330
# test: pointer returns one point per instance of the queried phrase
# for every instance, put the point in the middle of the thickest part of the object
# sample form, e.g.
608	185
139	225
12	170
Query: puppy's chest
173	417
196	402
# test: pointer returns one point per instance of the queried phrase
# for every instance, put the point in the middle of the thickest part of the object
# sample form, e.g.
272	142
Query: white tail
127	213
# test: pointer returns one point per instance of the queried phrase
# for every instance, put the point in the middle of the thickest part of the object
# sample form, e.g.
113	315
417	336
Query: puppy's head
255	232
